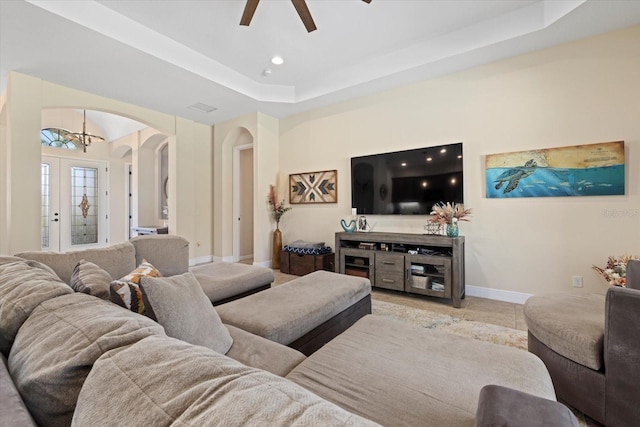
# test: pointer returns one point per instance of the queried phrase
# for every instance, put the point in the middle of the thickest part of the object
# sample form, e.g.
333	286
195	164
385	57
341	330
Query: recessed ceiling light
429	159
403	164
277	60
266	72
444	150
459	156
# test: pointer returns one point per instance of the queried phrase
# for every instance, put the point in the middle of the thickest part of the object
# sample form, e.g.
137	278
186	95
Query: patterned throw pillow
90	279
126	291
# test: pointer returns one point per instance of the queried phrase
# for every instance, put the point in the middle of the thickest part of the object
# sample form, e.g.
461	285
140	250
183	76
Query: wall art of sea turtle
513	176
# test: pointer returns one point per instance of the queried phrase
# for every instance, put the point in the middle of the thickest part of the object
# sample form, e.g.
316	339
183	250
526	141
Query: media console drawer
293	263
390	280
389	262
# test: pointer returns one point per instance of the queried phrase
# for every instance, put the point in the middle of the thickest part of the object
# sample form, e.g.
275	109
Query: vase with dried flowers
615	272
277	210
449	214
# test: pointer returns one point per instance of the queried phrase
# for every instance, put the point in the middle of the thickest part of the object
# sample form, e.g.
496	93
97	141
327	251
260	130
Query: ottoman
226	281
404	375
304	313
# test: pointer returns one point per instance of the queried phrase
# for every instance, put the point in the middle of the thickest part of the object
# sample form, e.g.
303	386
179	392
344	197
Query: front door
74	203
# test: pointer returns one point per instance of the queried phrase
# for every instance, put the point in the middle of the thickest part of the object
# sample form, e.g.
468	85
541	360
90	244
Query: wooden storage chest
293	263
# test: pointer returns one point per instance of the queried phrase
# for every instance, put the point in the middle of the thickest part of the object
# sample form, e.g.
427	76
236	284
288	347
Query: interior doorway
74	203
243	209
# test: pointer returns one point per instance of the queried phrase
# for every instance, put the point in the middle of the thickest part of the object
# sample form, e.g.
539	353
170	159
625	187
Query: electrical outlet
577	281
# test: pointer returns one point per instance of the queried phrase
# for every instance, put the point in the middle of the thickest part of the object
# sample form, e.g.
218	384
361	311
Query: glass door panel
74	203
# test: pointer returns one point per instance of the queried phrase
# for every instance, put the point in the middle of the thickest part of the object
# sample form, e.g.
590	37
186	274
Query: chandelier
84	138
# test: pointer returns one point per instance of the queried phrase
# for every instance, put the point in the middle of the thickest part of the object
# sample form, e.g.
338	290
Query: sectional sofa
71	356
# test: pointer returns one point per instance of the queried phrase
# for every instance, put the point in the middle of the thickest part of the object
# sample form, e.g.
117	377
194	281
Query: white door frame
60	194
236	198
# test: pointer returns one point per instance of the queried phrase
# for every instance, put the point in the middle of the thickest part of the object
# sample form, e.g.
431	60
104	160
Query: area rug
469	328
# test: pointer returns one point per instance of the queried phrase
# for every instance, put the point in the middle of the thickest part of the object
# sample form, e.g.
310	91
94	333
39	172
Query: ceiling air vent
203	108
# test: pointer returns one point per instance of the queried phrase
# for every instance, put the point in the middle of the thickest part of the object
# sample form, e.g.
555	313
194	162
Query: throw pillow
181	306
88	278
126	291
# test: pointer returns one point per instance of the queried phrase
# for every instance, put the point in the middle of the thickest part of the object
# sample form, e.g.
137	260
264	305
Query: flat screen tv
407	182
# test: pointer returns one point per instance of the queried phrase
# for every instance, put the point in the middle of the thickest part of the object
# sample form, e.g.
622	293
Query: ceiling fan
301	8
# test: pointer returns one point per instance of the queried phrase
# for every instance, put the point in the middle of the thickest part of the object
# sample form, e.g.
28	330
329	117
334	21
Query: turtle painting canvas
581	170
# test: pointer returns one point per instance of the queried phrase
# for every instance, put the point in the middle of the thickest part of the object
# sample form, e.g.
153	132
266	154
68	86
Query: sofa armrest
622	355
13	411
504	406
633	274
168	253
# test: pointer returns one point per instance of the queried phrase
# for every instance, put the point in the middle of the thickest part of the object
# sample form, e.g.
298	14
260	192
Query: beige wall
264	131
583	92
190	146
579	93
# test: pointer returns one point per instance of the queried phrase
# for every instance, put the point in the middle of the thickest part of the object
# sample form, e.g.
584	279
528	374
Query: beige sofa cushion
404	375
261	353
221	280
22	289
90	279
571	325
168	253
162	381
57	345
179	304
4	259
117	260
13	411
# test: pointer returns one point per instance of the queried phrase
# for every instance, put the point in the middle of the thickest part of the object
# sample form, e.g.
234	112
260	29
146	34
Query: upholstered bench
404	375
226	281
571	325
304	313
567	332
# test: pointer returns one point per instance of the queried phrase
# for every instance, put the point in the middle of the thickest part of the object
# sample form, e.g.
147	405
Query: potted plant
277	210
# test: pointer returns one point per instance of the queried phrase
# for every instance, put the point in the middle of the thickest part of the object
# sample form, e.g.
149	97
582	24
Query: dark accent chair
591	347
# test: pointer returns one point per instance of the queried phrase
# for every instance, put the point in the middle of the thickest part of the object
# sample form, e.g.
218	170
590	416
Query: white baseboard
243	257
497	294
200	260
210	258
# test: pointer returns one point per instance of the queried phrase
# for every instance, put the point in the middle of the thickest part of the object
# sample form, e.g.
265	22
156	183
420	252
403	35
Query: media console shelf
414	263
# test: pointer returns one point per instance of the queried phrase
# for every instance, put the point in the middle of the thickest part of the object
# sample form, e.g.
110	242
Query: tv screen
407	182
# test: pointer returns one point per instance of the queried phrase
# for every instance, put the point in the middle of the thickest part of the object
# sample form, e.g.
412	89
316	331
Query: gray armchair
591	347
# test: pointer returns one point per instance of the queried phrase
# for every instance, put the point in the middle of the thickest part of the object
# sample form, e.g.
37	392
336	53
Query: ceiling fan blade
249	10
305	15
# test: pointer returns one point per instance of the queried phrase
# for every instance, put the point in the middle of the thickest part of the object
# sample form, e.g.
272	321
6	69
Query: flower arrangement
615	271
278	208
449	213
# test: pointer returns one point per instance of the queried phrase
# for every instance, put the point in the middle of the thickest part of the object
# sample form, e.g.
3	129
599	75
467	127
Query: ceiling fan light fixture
300	5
